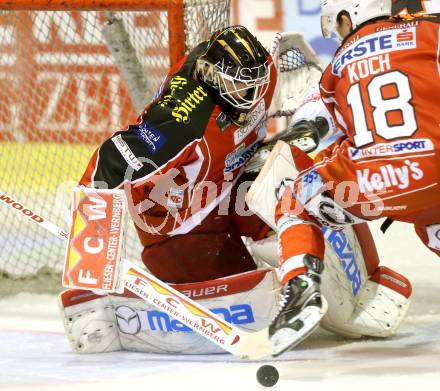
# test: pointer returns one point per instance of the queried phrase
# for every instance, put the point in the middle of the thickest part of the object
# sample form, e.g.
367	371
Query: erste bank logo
378	43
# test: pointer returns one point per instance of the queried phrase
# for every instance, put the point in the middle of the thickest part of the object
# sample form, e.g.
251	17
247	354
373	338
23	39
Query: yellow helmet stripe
230	50
246	45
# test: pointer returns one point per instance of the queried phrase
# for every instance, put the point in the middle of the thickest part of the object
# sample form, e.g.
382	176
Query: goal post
174	8
66	84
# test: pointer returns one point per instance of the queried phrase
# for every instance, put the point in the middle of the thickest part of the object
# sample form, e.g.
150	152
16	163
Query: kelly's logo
388	176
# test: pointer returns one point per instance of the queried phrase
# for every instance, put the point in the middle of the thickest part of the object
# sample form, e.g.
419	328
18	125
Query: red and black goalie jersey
181	159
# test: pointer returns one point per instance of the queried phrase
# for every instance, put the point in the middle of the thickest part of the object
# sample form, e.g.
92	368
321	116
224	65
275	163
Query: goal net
72	73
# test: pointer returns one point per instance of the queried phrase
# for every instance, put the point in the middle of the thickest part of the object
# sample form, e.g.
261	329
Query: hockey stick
159	294
118	42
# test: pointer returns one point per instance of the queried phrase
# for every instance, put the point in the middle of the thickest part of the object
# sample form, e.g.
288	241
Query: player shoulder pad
171	123
417	17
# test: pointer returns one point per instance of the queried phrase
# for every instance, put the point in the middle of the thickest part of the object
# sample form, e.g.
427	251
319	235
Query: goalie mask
360	11
236	66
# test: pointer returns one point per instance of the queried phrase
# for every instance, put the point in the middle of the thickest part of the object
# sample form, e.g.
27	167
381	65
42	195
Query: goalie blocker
95	245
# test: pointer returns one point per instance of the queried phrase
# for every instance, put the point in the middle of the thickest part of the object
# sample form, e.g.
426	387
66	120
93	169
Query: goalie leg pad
343	277
95	324
364	299
247	300
264	251
89	321
384	302
378	310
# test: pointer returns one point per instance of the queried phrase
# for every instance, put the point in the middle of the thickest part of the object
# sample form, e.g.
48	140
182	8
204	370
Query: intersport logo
394	148
389	176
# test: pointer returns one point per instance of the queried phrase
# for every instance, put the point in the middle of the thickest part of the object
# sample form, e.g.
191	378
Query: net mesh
61	95
291	59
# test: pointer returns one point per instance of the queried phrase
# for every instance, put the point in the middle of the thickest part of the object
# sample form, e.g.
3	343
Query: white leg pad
145	328
359	306
96	324
264	251
379	312
90	325
343	277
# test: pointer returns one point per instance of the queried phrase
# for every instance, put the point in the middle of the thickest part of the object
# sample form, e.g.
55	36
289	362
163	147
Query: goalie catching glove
305	134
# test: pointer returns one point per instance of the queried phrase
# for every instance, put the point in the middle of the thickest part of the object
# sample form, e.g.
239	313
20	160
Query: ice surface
34	353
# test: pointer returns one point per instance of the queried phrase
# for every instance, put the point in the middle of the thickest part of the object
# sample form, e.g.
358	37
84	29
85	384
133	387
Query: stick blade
288	337
254	346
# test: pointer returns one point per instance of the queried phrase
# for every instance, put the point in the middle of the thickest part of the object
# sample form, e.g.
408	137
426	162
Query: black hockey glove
303	134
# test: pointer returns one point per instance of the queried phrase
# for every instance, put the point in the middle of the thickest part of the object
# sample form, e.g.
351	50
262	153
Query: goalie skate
301	309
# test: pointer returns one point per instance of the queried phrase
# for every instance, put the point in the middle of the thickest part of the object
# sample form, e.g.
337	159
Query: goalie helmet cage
71	73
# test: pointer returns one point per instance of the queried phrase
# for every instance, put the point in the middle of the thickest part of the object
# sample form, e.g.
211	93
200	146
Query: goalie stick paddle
246	345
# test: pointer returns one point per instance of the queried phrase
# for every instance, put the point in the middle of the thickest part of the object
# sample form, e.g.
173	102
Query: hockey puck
267	375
